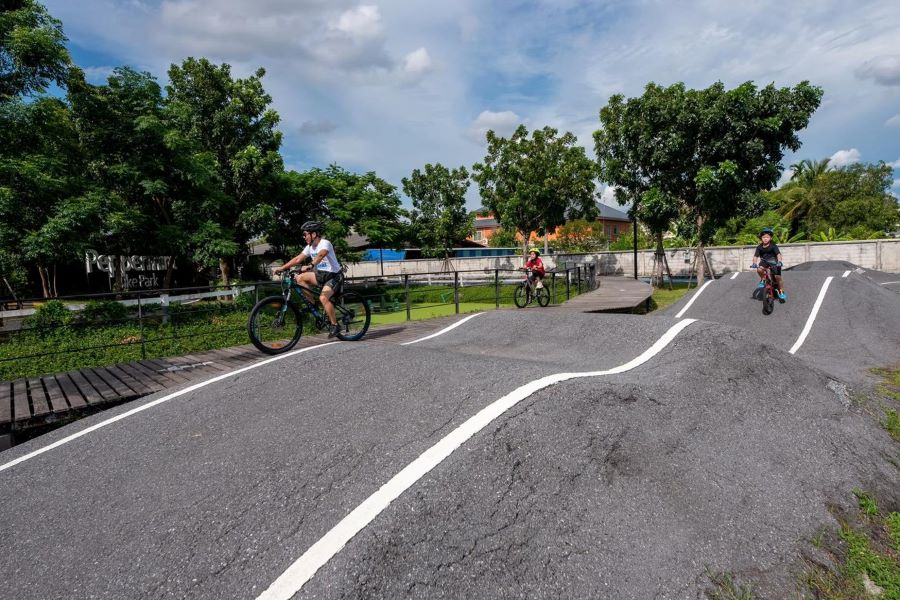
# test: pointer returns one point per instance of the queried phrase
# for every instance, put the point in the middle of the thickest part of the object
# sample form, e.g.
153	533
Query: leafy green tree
711	150
439	217
32	49
347	202
231	120
536	183
807	171
503	238
580	235
40	163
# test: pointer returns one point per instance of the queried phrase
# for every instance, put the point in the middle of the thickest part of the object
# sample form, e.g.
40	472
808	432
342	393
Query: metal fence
153	323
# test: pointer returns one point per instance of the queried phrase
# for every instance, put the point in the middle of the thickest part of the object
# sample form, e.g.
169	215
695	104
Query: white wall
880	255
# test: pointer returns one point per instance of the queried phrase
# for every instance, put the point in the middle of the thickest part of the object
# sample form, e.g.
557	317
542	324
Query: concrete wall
880	255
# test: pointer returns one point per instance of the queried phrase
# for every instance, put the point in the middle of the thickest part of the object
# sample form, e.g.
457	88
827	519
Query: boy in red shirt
536	265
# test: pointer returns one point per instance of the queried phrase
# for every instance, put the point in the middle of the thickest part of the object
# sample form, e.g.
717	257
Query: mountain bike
525	292
770	290
276	322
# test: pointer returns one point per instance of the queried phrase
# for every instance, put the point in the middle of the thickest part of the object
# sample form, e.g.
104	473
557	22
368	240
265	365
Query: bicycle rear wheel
520	296
273	327
353	316
543	296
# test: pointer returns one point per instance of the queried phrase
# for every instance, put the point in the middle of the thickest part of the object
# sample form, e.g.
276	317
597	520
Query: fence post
408	305
141	321
456	290
497	288
553	286
568	284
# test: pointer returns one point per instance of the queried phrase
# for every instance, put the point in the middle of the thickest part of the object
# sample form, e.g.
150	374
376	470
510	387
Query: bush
51	315
103	311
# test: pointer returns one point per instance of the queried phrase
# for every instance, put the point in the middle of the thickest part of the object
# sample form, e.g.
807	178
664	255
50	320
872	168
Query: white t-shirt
330	262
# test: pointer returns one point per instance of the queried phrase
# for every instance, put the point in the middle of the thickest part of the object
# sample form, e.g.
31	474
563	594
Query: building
615	223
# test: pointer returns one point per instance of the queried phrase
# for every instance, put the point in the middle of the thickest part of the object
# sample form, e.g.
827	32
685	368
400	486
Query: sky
390	85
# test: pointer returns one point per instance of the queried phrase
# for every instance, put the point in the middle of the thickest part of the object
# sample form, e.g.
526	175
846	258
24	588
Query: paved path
523	453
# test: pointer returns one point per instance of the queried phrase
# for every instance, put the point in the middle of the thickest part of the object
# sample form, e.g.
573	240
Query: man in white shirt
323	271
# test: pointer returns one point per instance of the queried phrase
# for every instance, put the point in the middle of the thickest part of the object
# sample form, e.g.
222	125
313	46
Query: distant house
614	221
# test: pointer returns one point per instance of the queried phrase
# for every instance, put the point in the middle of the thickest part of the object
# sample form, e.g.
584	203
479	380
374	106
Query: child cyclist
768	253
534	262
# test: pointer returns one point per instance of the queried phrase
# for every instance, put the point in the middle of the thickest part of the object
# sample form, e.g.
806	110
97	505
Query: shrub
51	315
103	311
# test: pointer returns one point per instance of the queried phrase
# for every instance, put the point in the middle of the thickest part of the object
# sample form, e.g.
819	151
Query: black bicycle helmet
313	226
766	230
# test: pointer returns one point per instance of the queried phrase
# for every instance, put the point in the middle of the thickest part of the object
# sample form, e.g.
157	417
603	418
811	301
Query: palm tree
807	171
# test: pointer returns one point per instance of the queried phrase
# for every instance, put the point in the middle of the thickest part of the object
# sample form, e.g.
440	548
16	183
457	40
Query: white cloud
895	164
417	62
317	127
893	121
785	177
896	184
884	70
501	123
360	22
97	75
842	158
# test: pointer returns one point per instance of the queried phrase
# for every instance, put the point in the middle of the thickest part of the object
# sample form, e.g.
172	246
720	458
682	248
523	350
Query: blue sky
391	85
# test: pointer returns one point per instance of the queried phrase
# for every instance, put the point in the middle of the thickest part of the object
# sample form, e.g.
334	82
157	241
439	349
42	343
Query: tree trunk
45	288
53	289
700	258
170	267
225	267
525	240
13	292
546	242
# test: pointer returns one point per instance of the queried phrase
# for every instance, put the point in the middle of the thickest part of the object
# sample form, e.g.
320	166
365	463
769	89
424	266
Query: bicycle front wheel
353	316
543	296
520	296
768	304
273	326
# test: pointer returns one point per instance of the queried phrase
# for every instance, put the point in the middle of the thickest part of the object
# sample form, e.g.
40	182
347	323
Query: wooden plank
104	392
161	365
227	359
151	381
40	404
139	387
21	410
57	398
152	370
122	390
6	407
203	358
91	395
74	396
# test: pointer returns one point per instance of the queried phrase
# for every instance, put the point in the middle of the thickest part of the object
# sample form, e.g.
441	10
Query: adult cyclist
536	266
767	252
323	270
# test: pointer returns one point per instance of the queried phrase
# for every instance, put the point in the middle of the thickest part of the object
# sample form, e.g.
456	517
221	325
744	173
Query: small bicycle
525	292
276	322
769	291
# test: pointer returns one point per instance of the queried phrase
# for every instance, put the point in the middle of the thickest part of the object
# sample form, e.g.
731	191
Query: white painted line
736	274
691	301
144	407
890	282
442	331
812	317
303	569
845	273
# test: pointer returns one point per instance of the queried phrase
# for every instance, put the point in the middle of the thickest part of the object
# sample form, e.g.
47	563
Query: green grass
889	388
866	547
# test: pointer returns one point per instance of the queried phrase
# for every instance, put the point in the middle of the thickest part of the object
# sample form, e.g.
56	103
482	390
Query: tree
230	119
710	151
153	173
439	217
536	183
807	171
40	163
503	238
32	49
580	235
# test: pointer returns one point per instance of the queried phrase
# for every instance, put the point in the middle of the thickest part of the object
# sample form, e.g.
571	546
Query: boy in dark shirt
768	253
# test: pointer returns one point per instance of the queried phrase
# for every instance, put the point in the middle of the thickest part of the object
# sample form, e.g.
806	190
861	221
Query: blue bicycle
276	322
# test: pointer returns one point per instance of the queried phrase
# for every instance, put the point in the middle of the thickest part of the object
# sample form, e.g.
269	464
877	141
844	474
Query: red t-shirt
536	264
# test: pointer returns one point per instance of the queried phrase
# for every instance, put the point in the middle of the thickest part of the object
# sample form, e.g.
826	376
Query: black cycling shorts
327	278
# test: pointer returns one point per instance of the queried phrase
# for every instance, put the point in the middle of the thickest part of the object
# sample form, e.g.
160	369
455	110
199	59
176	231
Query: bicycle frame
289	284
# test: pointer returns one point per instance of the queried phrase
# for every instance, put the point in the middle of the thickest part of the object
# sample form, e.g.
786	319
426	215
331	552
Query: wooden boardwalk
39	401
612	294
